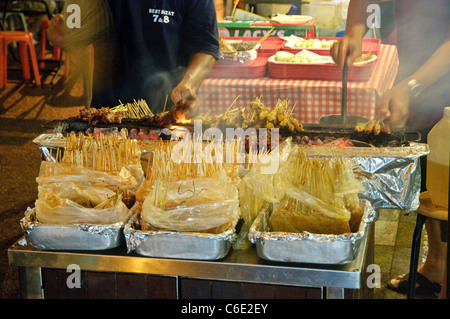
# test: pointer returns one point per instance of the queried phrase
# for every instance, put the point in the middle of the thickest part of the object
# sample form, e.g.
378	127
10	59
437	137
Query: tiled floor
393	237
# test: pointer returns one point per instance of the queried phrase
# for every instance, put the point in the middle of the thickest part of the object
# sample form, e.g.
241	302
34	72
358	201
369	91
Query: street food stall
114	203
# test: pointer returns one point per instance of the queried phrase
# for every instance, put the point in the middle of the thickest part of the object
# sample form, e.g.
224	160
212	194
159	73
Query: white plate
291	19
272	60
373	58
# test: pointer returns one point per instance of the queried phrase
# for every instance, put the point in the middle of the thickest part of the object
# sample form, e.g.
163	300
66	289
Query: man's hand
56	31
183	94
349	48
394	105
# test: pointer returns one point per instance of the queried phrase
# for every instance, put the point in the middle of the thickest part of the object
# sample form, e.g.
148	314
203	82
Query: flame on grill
183	120
344	143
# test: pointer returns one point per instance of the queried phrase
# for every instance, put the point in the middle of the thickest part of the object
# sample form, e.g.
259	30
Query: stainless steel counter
237	266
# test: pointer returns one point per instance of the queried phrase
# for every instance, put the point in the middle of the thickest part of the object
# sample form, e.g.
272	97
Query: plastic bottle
438	160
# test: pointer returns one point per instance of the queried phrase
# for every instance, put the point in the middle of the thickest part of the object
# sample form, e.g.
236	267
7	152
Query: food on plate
230	46
238	50
314	43
301	57
287	18
284	56
364	57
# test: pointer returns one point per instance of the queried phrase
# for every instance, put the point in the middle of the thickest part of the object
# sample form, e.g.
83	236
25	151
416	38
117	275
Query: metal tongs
344	93
343	119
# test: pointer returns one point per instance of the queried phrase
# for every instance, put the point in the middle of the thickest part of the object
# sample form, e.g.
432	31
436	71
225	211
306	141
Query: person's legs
434	267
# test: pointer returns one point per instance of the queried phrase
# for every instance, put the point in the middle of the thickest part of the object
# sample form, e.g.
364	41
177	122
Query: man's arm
394	104
350	47
199	67
435	67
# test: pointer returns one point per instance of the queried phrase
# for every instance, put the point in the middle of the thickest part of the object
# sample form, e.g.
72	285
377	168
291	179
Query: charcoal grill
397	137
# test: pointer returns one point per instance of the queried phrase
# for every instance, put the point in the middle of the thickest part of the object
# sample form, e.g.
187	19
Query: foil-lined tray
391	176
180	245
306	247
71	237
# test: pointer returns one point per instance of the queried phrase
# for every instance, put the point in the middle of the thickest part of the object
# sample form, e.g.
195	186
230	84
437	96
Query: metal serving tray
71	237
307	247
181	245
390	175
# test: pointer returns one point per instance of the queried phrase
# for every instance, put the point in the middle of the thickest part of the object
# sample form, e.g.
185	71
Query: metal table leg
31	283
334	293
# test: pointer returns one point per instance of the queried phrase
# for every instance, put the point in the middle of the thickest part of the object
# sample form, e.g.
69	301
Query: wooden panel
131	286
194	289
64	292
227	290
104	285
313	293
55	284
49	283
101	285
258	291
161	287
289	292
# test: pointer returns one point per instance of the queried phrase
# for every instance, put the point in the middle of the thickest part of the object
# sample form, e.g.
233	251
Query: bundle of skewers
374	126
91	180
315	194
105	153
165	167
257	116
191	195
102	115
135	110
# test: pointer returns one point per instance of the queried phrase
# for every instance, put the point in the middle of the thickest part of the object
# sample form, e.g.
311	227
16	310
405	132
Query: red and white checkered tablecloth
313	98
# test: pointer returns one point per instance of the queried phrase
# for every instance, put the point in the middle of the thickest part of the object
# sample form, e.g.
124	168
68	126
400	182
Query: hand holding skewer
394	105
186	101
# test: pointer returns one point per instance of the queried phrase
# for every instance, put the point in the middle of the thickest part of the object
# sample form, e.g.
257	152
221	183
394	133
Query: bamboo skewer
107	153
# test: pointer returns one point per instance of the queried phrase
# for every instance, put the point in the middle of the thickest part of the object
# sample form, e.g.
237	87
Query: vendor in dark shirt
156	50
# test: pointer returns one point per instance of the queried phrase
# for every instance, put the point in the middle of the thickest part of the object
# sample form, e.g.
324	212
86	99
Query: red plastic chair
24	39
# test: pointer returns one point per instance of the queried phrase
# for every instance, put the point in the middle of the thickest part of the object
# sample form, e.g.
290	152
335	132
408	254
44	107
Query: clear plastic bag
300	211
53	208
127	179
192	205
257	190
304	193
